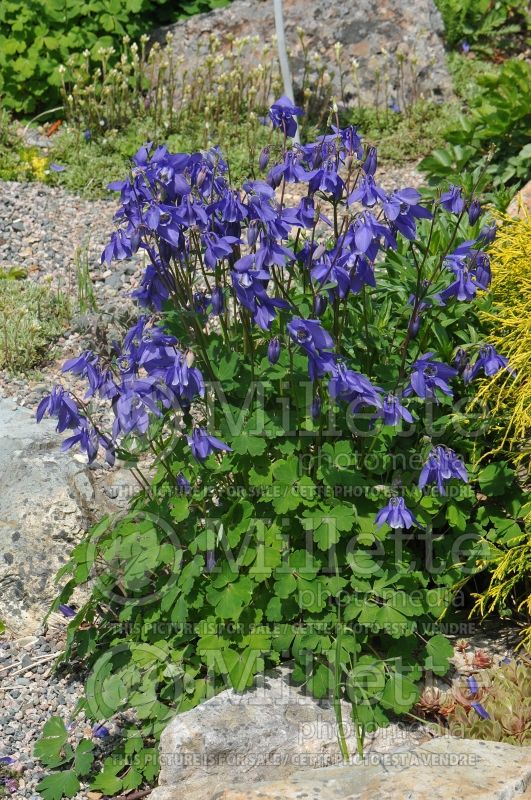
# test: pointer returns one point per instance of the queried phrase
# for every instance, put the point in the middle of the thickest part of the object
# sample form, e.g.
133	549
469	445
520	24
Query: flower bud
273	351
315	409
474	211
218	301
414	326
252	233
263	161
319	305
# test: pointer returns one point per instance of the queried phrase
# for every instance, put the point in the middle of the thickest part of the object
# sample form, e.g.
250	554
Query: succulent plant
494	704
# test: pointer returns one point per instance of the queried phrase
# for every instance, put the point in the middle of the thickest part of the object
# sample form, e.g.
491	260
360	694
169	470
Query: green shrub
485	25
494	132
37	36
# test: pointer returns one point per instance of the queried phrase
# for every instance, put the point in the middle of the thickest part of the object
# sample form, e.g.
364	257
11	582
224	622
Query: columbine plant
291	404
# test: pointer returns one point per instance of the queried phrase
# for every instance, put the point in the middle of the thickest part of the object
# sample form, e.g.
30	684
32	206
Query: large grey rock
268	732
45	500
398	38
443	769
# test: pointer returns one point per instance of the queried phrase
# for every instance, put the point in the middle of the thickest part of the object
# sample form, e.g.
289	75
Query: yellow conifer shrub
509	398
509	323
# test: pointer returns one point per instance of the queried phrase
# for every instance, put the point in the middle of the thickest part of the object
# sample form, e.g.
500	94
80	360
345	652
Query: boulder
443	769
397	44
266	733
45	501
520	205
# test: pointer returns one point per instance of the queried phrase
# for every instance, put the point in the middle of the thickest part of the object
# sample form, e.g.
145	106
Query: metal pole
283	56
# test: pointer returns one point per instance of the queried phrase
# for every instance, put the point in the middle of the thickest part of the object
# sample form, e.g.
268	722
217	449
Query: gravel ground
41	228
28	699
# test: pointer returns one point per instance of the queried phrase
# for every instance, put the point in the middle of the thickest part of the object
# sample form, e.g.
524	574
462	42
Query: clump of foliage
491	704
487	26
494	131
299	384
37	37
31	317
404	134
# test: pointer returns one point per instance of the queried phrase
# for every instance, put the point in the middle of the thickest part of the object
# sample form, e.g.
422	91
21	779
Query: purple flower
202	444
393	411
273	350
87	135
452	200
367	192
396	514
100	731
316	342
442	465
465	47
67	611
353	388
488	361
427	376
472	684
487	234
60	404
86	436
7	760
282	114
326	179
57	167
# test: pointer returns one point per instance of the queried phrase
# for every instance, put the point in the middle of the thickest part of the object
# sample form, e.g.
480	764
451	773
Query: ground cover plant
298	388
31	318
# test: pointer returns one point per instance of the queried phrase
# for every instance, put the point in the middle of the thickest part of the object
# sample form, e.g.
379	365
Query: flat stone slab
268	732
45	497
443	769
397	44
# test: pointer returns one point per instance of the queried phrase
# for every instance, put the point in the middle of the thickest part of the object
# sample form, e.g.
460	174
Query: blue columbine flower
282	114
60	404
393	411
488	361
202	444
316	342
442	465
353	388
452	200
100	731
396	514
427	376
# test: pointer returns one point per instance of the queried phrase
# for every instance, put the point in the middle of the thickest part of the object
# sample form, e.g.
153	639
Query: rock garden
265	392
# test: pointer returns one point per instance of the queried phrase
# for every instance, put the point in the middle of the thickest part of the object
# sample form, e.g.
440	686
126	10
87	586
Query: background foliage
36	36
